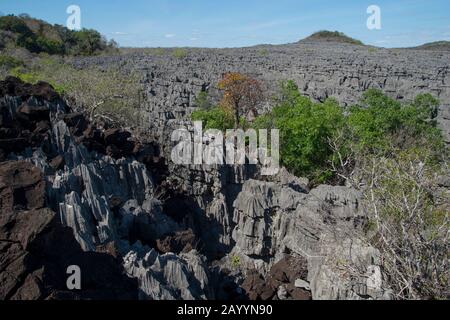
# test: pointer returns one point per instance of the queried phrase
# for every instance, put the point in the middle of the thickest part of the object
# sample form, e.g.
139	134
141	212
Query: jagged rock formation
275	220
321	69
106	202
36	248
283	282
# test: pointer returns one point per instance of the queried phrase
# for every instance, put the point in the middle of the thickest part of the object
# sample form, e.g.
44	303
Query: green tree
214	118
202	101
379	118
50	46
88	42
53	39
304	131
14	24
241	94
288	93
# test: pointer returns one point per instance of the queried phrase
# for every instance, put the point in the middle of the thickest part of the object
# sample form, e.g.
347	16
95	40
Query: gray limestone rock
321	226
320	69
169	277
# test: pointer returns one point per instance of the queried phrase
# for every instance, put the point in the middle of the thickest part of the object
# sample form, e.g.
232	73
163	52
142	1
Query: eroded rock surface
36	249
72	192
320	69
275	222
102	202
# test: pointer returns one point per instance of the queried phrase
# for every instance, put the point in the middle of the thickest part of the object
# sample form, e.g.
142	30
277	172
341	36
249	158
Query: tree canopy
241	94
38	36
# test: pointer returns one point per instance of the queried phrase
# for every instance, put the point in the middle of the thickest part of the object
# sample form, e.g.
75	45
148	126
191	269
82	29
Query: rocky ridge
321	69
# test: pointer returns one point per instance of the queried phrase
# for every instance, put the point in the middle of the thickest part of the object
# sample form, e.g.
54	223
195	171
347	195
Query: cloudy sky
235	23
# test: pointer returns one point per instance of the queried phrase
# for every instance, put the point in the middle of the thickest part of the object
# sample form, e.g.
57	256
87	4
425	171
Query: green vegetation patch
214	118
9	62
334	36
38	36
325	141
108	94
180	53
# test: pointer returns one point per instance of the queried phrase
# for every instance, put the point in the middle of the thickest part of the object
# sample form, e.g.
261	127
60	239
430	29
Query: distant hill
39	36
331	36
437	46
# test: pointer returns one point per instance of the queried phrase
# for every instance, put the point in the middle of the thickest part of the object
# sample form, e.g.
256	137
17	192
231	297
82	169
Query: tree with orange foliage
241	94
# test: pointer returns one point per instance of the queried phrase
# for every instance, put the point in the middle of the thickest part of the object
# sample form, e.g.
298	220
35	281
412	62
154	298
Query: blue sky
235	23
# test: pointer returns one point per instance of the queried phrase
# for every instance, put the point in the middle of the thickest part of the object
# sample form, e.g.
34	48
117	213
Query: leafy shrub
410	222
159	51
324	141
34	77
9	62
379	118
214	118
108	94
288	93
179	53
427	104
304	129
50	46
14	24
263	52
396	151
53	39
202	101
87	42
235	262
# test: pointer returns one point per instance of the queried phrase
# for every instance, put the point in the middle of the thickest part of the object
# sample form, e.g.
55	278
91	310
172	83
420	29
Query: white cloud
119	33
193	39
169	35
